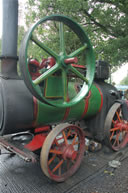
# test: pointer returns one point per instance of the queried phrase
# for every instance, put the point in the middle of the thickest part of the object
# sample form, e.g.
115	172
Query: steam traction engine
60	97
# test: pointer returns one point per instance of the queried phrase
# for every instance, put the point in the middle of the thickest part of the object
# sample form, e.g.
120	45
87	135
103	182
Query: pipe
9	38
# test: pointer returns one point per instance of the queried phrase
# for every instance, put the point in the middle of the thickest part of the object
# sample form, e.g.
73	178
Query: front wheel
62	152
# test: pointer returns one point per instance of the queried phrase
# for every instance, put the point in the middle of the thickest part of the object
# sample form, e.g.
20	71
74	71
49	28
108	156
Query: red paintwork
36	142
66	113
35	66
38	138
78	66
71	60
86	104
101	98
42	129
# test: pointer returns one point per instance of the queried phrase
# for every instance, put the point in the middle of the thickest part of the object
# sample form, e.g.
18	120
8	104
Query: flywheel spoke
61	33
46	74
44	47
78	74
78	51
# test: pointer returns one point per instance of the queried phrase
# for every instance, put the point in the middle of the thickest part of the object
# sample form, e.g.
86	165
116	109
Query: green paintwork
53	82
48	114
34	85
94	102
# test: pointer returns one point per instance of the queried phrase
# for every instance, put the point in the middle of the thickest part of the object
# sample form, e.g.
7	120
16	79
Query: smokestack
9	38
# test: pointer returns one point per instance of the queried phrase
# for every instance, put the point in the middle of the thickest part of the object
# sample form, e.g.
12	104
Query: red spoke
60	138
113	121
56	142
65	138
116	140
118	116
55	151
115	129
112	136
51	160
69	132
74	140
76	143
58	165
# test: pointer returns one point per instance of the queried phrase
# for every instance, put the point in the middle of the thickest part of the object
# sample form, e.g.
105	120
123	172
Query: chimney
9	38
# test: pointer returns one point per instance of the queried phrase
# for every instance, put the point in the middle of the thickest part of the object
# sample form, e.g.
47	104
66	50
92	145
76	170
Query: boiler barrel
20	111
88	107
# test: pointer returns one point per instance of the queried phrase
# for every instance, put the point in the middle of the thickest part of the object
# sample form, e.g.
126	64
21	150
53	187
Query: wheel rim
60	157
116	128
63	60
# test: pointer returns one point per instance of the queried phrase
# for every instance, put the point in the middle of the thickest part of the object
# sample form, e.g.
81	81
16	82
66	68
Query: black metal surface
16	110
17	176
102	70
96	124
9	37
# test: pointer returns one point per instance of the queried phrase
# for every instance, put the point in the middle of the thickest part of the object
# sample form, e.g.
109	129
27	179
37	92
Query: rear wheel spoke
118	116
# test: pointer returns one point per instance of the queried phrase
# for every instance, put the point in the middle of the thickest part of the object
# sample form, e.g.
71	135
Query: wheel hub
69	152
122	126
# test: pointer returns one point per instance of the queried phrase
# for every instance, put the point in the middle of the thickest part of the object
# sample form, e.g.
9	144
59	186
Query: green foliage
124	81
105	22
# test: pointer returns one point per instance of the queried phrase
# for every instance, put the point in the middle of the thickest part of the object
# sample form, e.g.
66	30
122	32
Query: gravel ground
106	181
94	176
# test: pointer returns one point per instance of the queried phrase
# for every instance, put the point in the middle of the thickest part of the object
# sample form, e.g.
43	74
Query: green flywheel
61	39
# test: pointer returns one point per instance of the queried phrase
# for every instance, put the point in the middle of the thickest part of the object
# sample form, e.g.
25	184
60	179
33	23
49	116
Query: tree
124	81
105	22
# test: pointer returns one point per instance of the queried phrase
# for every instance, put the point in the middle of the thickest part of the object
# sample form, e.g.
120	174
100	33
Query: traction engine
60	98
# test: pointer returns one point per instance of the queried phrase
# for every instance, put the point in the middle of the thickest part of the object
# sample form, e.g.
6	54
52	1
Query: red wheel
62	152
116	128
